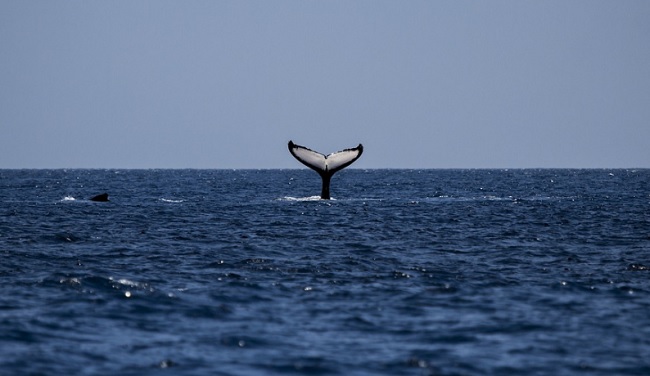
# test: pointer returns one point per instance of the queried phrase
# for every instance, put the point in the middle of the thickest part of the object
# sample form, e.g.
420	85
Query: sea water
247	272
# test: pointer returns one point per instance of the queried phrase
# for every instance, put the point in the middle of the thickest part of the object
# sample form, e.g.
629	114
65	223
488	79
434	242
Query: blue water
406	272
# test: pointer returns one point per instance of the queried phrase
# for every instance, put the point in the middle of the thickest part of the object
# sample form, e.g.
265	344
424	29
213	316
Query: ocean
247	272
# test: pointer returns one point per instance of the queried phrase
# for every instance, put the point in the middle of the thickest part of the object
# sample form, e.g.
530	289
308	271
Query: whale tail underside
325	165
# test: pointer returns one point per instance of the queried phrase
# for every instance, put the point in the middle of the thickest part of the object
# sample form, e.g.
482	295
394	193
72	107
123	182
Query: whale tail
325	165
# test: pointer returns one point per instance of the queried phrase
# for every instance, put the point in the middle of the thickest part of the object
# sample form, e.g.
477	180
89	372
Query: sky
421	84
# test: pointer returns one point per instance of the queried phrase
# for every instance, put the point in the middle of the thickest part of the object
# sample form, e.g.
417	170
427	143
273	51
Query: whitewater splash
310	198
171	201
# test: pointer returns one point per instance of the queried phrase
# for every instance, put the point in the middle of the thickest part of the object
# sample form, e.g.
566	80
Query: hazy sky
422	84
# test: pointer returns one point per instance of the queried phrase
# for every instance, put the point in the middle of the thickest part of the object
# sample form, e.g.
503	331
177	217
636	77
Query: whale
325	165
100	198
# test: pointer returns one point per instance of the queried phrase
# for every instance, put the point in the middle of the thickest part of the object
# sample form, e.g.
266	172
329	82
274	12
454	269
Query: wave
171	200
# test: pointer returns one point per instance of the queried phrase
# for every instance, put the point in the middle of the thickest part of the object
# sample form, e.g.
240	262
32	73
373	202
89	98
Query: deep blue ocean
245	272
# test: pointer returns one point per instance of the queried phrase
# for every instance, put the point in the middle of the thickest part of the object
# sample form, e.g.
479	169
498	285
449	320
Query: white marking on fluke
325	165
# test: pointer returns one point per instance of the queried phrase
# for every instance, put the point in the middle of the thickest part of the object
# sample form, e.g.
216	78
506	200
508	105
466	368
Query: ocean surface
246	272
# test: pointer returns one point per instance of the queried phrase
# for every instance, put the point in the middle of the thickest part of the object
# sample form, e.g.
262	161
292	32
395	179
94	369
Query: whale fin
100	198
325	165
320	162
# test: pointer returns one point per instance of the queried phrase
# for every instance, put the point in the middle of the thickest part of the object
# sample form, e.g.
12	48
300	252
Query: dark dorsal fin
100	198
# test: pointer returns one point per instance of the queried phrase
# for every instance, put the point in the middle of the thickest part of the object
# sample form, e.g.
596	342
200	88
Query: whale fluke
100	198
325	165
